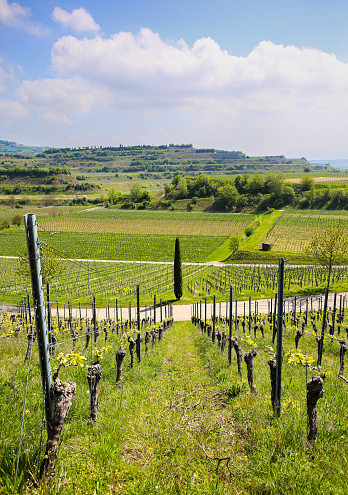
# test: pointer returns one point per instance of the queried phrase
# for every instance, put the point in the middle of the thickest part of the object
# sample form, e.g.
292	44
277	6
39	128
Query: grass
253	242
175	412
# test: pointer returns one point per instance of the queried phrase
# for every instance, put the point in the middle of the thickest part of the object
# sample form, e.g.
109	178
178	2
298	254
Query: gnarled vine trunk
63	395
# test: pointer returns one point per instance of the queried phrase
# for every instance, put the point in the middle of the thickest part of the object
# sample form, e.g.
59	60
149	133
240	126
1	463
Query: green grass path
176	417
253	243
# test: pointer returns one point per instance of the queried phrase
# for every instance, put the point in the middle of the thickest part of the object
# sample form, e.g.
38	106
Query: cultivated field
294	228
182	420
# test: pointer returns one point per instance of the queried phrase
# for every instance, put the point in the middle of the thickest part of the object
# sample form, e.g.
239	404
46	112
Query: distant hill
13	148
166	160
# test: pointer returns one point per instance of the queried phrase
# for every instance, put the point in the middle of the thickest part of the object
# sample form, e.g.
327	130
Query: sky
264	77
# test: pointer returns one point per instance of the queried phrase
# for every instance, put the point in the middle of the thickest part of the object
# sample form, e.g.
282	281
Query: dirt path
183	312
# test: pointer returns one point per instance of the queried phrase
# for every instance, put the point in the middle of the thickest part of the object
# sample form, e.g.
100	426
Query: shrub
17	220
249	230
5	224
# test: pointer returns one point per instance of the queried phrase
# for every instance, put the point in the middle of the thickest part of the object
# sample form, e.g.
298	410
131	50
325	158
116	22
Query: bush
5	224
234	243
17	220
249	230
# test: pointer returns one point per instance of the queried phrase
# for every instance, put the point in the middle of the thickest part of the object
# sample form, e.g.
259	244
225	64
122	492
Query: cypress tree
177	271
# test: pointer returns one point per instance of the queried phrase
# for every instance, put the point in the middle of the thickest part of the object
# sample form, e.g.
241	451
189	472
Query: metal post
334	314
278	390
321	342
94	319
138	325
214	314
161	313
58	320
274	318
230	327
205	312
39	308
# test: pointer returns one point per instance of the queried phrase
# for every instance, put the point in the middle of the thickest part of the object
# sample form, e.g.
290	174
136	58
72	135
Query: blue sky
264	77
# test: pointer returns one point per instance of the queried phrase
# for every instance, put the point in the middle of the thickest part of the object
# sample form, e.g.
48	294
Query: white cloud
58	95
59	118
144	67
275	100
14	15
78	20
12	109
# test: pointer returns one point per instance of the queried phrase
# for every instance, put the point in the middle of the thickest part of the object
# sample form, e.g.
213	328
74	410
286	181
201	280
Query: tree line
257	192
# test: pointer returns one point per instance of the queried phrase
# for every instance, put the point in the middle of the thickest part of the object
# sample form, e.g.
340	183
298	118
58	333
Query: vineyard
157	222
294	229
174	412
83	279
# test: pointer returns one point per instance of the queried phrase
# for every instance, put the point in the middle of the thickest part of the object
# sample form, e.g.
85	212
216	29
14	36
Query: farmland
293	230
149	236
182	418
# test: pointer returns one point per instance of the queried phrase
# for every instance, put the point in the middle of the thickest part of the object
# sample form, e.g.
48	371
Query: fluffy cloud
78	20
14	15
276	94
148	67
59	118
12	109
58	95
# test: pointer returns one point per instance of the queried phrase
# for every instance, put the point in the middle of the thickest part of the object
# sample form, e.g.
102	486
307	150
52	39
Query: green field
114	234
175	415
294	228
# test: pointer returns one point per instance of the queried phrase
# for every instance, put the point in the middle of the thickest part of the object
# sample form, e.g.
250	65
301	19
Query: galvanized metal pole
321	342
94	309
230	327
39	308
214	313
278	391
205	312
138	349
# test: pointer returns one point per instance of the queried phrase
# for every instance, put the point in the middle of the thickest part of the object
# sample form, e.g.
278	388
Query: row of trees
241	192
262	192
